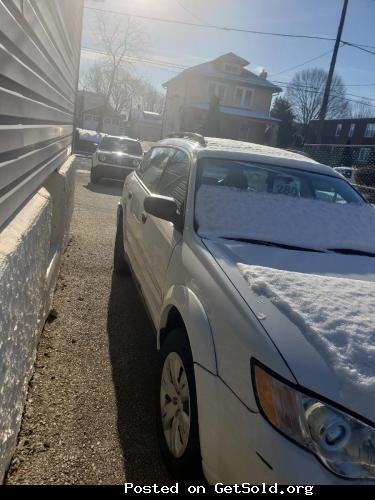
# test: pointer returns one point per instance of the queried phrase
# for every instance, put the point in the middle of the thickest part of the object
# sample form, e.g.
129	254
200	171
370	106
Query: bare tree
151	99
362	109
119	40
305	94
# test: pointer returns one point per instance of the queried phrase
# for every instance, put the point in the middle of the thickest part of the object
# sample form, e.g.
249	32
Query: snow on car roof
336	315
258	152
247	151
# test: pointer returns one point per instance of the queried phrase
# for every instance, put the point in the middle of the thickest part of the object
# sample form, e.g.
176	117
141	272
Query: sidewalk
90	414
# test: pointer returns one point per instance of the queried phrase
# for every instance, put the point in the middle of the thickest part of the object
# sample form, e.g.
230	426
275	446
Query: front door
152	240
160	237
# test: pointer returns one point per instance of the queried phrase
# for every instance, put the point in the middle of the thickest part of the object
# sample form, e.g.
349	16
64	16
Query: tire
184	462
120	264
94	177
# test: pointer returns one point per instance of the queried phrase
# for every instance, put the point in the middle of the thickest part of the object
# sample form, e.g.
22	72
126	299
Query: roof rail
188	135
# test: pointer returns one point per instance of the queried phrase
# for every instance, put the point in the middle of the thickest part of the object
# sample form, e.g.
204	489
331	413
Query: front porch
235	123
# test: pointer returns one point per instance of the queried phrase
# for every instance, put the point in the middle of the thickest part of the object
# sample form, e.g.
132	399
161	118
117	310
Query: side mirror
162	207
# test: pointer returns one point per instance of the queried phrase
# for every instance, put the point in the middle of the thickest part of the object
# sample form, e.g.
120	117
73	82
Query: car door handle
144	217
130	195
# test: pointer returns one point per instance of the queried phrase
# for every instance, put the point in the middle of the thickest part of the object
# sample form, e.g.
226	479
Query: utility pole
323	109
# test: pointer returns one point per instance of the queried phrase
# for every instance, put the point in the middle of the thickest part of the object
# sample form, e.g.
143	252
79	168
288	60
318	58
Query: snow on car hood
336	314
308	223
317	308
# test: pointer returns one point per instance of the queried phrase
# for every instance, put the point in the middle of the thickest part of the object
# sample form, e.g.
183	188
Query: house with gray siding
39	63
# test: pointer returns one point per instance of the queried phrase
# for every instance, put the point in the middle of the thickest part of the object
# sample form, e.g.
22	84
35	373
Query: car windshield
118	145
280	205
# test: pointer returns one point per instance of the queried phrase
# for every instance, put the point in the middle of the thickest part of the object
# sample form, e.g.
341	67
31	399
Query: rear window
119	145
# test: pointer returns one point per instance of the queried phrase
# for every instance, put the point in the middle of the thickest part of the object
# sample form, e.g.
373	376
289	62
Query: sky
188	46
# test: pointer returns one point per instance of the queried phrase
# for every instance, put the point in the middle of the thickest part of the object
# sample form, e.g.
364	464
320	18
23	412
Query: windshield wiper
272	244
351	251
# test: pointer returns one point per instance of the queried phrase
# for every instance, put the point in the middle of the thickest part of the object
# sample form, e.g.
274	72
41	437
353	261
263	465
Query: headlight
345	444
102	158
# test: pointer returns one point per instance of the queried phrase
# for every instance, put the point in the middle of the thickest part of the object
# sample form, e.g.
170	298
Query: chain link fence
356	163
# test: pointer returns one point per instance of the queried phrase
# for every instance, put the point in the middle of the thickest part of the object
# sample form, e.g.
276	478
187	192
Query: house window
243	97
364	154
338	130
351	130
370	130
232	68
217	89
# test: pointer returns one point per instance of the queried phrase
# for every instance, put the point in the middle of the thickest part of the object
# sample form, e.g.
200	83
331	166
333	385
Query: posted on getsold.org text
220	488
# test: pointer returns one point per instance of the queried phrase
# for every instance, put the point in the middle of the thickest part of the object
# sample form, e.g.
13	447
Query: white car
257	268
115	158
347	172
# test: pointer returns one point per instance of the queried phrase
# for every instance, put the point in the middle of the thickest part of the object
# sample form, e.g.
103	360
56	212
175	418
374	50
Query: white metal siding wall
39	64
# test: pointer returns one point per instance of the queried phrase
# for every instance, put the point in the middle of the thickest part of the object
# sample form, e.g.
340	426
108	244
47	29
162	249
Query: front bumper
238	445
111	171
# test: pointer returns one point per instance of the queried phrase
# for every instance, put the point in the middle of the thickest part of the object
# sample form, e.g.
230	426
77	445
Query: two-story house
245	100
91	108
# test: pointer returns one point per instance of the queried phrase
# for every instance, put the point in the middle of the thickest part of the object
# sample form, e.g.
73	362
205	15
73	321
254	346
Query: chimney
263	74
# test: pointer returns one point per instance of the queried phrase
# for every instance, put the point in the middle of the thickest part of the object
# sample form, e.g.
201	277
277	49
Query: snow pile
337	315
302	222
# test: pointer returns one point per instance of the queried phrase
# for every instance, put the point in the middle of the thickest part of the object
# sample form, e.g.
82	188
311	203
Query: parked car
86	141
346	172
115	158
257	268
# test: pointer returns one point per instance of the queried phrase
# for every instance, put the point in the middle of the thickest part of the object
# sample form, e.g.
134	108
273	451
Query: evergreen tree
283	111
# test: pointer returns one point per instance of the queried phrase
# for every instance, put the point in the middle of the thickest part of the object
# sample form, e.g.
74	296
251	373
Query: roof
210	70
99	109
247	151
243	113
234	58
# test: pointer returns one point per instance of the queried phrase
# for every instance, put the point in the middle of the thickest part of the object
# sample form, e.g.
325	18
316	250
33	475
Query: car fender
197	325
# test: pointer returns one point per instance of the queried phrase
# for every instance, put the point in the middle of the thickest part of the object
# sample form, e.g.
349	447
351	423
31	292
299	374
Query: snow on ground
224	211
337	315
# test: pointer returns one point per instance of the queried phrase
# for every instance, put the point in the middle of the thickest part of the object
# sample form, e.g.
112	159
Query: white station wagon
257	267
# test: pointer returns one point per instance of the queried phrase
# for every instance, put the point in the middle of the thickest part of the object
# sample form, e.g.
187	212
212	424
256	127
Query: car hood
124	155
320	342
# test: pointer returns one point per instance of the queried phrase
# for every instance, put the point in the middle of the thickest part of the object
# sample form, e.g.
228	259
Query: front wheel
178	415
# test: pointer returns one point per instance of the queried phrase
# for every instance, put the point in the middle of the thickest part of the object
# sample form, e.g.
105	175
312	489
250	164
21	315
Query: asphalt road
90	412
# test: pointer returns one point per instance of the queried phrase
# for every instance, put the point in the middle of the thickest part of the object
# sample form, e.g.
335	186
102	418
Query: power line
319	91
199	19
359	47
133	59
311	91
173	68
302	64
211	26
224	28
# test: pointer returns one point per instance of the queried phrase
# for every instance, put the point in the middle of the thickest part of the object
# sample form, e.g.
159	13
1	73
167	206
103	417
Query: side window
153	166
174	181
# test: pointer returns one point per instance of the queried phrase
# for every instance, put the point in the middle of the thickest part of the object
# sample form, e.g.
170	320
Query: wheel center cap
175	400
